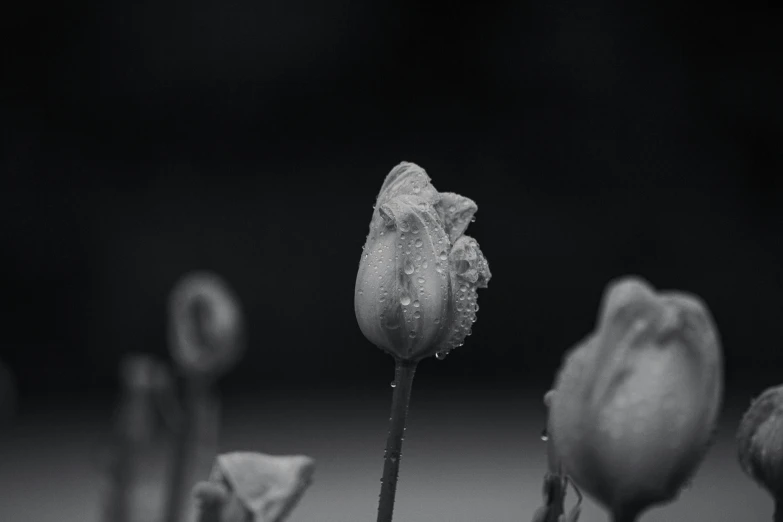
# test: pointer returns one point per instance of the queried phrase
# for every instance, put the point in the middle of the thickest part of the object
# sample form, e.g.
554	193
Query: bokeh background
142	140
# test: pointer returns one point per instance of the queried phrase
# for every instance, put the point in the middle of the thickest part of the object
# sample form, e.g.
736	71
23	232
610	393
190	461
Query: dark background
141	140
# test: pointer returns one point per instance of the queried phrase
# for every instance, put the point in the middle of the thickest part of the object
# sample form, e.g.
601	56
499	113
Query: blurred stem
195	421
620	516
403	377
119	504
778	510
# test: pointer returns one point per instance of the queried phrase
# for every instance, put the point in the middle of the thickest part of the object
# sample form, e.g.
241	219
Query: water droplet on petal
416	303
443	255
421	280
418	242
544	435
412	335
408	267
416	314
405	300
394	384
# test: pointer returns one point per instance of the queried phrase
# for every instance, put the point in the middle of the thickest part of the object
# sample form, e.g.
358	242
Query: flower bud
416	285
760	441
635	404
245	486
205	324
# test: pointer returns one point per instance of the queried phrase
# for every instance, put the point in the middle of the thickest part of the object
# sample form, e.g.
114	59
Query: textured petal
407	179
401	287
456	212
468	271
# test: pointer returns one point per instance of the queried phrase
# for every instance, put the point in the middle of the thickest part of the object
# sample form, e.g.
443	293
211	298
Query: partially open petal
456	212
268	486
468	271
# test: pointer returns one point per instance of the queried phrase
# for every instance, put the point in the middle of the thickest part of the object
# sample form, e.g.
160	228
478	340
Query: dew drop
544	435
425	264
436	320
416	314
418	243
408	267
440	355
412	334
405	300
394	384
453	208
421	280
443	256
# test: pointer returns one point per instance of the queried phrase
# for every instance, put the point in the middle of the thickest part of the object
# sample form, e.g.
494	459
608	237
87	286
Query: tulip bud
635	404
416	286
245	486
760	441
205	325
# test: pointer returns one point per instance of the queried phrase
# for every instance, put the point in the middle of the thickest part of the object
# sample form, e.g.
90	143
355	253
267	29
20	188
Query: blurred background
142	140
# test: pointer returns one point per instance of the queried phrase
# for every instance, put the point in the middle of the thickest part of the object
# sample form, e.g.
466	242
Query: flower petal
268	486
468	271
456	212
407	179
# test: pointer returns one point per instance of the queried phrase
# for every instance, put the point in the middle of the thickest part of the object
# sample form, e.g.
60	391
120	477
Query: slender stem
186	444
119	505
404	372
619	516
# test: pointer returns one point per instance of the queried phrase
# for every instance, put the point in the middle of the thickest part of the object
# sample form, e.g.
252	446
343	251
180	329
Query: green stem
189	432
404	372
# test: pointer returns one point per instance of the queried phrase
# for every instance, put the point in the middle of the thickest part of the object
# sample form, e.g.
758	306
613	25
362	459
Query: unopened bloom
416	287
253	487
205	324
760	441
636	403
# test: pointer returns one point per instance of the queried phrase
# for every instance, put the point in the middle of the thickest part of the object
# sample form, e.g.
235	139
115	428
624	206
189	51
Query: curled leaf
205	324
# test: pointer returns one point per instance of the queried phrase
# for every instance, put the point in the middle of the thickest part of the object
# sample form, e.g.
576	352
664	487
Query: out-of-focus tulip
205	324
253	487
760	443
635	404
416	286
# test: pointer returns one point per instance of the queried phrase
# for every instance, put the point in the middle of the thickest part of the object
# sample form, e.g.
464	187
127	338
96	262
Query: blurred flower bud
636	403
205	324
416	286
253	487
760	441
